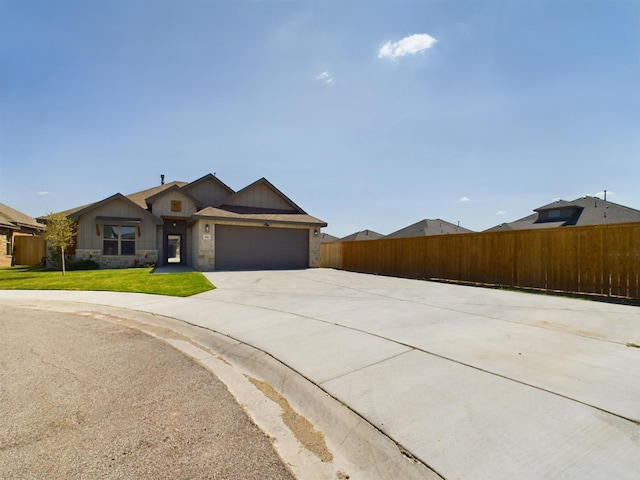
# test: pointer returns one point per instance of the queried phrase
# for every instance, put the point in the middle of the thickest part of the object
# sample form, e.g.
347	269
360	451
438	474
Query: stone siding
141	257
5	260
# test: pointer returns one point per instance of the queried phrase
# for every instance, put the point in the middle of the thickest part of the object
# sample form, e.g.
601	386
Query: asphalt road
84	398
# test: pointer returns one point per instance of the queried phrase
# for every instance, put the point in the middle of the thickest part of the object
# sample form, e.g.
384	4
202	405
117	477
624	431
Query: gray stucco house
203	224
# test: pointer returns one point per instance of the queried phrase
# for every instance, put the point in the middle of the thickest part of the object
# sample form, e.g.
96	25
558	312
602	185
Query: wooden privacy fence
599	259
28	250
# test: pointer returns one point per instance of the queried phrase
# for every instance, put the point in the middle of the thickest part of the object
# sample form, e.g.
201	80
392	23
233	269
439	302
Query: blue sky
368	114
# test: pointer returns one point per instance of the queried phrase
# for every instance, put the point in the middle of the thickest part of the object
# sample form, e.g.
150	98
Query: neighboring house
13	224
326	238
362	235
581	211
203	224
428	227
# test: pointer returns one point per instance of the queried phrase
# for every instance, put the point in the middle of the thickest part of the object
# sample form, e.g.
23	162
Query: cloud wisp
602	194
44	192
407	46
325	77
465	199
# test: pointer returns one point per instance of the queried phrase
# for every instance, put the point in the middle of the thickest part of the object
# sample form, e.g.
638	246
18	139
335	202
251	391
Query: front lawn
138	280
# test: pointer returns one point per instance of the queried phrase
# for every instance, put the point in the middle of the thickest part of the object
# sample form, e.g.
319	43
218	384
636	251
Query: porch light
207	228
315	232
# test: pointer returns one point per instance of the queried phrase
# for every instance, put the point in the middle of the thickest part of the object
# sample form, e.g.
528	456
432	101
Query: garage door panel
261	248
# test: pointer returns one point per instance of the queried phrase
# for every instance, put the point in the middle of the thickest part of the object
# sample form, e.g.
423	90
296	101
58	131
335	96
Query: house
362	235
428	227
581	211
326	238
203	224
12	225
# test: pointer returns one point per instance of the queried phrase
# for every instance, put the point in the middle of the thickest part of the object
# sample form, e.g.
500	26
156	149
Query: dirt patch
302	428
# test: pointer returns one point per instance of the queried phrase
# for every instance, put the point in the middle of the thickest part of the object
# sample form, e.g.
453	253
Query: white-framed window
118	240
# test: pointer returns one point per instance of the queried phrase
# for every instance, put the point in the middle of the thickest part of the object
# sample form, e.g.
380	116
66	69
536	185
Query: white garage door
261	248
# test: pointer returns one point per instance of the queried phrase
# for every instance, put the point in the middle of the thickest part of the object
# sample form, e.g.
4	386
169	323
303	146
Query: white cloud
501	212
407	46
601	194
465	199
44	192
325	77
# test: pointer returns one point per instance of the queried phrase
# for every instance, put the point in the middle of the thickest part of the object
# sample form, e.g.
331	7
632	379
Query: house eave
255	220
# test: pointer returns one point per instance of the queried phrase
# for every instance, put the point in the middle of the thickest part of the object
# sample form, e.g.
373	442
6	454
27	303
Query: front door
173	249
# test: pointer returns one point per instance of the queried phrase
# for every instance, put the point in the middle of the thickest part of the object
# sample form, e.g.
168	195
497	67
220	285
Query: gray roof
15	220
257	215
362	235
428	227
225	212
326	238
587	211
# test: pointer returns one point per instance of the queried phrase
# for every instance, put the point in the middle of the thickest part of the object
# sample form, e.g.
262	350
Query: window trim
119	240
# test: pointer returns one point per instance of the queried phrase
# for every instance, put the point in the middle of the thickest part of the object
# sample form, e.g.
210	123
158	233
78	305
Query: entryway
174	246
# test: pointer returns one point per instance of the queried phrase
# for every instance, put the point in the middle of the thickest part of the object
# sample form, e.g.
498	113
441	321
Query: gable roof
118	196
428	227
172	188
236	199
140	198
362	235
587	211
13	219
209	177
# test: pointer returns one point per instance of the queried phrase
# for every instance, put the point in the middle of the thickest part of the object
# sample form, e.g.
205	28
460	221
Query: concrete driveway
475	383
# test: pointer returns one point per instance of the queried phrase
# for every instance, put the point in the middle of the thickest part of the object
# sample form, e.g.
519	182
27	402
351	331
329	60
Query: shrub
86	264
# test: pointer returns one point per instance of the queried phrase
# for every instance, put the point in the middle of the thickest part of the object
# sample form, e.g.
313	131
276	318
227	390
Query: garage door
261	248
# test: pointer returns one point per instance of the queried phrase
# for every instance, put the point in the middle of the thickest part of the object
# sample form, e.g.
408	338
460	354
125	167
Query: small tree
60	233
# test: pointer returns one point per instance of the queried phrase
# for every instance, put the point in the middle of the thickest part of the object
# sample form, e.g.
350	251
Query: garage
261	248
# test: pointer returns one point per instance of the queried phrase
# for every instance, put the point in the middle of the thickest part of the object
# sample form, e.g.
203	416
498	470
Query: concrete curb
360	451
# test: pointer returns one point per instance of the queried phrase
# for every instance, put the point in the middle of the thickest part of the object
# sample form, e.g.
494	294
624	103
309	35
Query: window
554	214
176	206
118	240
8	246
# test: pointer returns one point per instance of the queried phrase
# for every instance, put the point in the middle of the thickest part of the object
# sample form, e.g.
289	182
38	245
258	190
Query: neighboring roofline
555	204
268	184
209	176
118	196
173	188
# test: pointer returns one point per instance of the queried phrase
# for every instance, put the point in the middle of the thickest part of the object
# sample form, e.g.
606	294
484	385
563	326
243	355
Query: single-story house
327	238
428	227
14	224
581	211
203	224
362	235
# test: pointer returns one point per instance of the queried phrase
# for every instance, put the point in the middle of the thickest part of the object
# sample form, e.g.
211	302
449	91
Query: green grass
138	280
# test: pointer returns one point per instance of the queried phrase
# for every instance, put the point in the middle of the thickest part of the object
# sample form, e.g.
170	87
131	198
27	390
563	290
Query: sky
367	114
